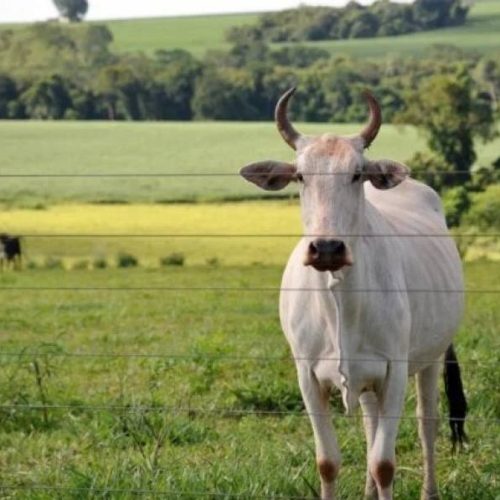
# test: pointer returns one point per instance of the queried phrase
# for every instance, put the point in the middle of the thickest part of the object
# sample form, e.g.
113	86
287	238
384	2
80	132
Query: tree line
382	18
52	71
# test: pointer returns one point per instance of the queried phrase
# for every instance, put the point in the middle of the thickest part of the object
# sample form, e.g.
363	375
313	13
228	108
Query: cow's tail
457	403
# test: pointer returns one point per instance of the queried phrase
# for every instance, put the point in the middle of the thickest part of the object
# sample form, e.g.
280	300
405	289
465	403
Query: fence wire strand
226	412
236	359
256	235
113	175
241	289
141	491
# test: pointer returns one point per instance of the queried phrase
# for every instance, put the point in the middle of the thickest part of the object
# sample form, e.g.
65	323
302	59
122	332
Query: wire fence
216	412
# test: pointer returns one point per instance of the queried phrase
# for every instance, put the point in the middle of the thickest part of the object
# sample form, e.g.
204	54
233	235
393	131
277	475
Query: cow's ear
270	175
385	174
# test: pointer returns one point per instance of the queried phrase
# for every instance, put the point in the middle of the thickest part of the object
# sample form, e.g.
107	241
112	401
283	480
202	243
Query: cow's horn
286	129
371	130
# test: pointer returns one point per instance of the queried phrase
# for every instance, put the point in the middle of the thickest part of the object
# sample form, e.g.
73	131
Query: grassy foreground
159	148
189	360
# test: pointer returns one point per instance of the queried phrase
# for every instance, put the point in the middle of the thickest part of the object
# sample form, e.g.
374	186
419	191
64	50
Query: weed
80	265
53	263
213	262
99	263
174	259
125	259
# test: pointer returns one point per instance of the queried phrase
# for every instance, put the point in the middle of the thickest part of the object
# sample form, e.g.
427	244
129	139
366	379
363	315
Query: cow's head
331	171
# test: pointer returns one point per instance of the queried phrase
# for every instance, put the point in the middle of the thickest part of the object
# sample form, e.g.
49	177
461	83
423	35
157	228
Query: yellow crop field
149	232
260	232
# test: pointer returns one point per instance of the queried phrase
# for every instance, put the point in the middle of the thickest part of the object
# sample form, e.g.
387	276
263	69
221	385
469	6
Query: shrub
126	260
174	259
80	265
456	202
213	262
99	263
485	210
53	263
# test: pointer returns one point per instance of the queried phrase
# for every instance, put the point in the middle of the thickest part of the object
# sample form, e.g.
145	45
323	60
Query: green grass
154	148
194	34
195	451
197	34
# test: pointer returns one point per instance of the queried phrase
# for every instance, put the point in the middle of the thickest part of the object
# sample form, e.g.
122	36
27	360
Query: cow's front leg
327	450
382	457
369	405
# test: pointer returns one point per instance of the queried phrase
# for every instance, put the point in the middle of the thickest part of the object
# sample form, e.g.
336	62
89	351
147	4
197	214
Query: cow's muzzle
327	255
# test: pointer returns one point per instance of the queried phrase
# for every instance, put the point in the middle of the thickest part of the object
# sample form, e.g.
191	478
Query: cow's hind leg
427	413
327	450
369	405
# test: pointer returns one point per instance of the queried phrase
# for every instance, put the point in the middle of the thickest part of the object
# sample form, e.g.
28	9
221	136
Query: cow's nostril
313	250
329	247
338	247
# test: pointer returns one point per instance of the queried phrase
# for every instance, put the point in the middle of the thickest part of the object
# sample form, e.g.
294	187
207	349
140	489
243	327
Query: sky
40	10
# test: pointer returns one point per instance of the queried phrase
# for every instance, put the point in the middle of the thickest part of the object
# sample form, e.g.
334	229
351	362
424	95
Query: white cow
362	306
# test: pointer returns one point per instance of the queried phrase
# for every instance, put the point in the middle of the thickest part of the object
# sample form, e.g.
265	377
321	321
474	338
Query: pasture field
38	148
193	376
199	34
193	33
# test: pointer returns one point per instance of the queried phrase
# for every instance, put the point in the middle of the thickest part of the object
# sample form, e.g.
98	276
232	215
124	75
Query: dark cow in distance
10	251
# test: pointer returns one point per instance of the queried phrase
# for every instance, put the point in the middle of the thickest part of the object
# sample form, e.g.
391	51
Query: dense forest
382	18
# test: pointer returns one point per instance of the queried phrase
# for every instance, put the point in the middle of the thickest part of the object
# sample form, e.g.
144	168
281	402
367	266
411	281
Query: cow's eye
356	177
300	178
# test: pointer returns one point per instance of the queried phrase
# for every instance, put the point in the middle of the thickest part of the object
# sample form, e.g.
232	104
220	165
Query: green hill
197	34
194	33
480	33
200	33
